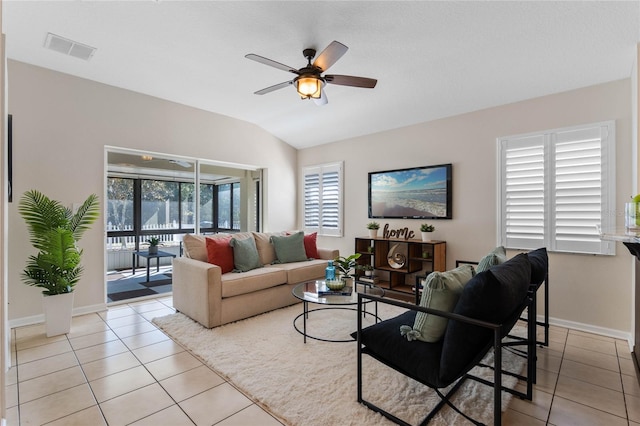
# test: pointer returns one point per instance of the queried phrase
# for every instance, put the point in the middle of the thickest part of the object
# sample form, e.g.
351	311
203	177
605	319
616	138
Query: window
323	199
556	187
140	208
229	206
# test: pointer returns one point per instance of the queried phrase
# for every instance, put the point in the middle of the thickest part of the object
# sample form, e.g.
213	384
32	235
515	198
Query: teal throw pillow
245	255
441	291
289	248
497	256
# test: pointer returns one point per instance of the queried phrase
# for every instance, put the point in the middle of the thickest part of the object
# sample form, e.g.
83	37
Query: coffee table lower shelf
307	293
305	315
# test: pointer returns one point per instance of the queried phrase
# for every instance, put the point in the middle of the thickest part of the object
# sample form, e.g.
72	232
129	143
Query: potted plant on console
54	231
426	230
373	229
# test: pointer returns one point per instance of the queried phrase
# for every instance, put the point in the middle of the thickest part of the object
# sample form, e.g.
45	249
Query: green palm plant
54	231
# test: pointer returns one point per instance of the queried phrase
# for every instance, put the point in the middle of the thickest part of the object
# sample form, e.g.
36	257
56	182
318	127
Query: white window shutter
323	199
522	191
557	187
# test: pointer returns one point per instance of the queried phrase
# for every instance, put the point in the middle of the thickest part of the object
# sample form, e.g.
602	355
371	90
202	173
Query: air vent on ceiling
69	47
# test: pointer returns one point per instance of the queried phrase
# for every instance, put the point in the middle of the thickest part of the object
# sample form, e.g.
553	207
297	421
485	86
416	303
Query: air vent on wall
69	47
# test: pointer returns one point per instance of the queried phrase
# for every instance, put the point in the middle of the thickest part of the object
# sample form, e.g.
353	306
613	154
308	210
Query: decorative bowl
335	285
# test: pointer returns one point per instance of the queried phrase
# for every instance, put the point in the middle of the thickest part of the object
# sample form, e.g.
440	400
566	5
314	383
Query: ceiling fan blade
330	55
349	80
271	63
322	100
273	88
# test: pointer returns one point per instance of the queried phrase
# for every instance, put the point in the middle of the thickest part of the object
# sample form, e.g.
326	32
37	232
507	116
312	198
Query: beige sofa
202	292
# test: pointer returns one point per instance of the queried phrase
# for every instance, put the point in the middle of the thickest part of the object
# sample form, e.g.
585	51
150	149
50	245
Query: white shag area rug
315	383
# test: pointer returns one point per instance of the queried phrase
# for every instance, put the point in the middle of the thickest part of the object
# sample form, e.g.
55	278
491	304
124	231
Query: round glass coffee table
307	292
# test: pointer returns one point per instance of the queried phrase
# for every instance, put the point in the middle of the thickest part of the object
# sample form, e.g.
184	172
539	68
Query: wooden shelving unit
417	257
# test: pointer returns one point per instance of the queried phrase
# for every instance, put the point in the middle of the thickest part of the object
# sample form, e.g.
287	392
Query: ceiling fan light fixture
309	87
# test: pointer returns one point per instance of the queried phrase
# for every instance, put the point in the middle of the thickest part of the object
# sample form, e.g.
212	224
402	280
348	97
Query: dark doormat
133	287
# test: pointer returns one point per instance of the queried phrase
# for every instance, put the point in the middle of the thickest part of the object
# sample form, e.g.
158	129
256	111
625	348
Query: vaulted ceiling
431	59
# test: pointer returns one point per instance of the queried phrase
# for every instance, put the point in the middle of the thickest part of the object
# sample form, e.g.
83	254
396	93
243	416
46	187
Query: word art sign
397	233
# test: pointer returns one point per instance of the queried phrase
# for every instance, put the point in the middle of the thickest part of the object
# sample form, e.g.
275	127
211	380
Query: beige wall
61	125
586	291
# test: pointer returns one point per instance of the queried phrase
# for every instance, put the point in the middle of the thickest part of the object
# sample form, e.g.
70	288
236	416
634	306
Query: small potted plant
373	229
153	245
425	230
368	270
345	264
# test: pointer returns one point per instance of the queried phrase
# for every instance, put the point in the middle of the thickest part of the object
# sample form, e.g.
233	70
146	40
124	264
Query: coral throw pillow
310	246
220	252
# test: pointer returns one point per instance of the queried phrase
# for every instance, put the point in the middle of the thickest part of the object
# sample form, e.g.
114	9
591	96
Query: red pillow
220	252
310	247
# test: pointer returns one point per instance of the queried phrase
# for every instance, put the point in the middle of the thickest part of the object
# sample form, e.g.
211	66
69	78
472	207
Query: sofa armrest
197	290
328	254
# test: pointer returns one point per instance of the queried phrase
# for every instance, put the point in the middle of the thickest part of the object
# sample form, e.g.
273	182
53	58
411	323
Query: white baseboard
39	319
602	331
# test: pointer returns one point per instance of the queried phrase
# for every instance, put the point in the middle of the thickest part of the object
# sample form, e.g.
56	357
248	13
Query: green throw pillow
497	256
441	291
289	248
245	255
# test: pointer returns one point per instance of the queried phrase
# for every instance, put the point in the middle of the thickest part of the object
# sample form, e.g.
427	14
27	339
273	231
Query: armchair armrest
418	308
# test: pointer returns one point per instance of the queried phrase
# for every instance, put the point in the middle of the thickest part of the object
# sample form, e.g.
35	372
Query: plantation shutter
323	199
556	188
578	192
523	192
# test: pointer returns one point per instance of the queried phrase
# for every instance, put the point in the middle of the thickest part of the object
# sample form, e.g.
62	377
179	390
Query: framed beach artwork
414	193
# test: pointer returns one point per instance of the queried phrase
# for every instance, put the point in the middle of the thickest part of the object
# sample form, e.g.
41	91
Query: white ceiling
431	59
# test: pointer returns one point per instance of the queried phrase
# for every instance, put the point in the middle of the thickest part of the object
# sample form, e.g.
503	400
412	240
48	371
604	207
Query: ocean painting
418	193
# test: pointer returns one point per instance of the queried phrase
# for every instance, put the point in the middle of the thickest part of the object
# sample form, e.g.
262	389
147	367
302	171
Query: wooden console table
414	257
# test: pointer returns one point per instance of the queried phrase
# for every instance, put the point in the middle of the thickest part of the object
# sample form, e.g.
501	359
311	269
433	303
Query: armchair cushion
415	359
497	256
539	265
441	291
494	296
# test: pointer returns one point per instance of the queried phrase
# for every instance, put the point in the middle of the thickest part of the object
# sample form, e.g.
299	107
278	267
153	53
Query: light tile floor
117	368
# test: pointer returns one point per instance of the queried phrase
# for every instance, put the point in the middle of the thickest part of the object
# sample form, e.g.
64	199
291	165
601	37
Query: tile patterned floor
117	368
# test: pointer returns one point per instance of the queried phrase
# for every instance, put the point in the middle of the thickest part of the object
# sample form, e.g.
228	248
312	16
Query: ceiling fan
310	81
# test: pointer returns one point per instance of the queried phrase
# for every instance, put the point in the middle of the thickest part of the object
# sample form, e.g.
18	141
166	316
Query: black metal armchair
489	307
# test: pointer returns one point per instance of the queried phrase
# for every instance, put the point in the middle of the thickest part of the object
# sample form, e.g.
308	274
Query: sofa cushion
298	272
310	246
493	296
289	248
234	284
497	256
441	291
195	247
220	252
266	251
245	254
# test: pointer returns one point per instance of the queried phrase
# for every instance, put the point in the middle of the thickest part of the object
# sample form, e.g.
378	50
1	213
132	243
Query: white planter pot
426	236
373	233
57	313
